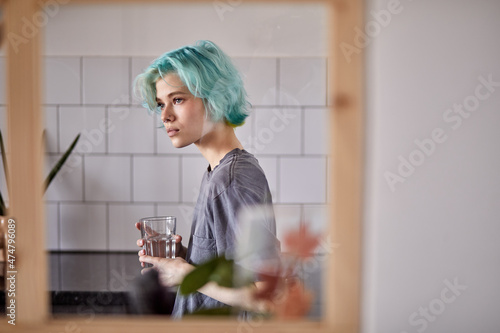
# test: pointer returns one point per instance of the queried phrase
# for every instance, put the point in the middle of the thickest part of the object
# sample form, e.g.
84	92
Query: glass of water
158	235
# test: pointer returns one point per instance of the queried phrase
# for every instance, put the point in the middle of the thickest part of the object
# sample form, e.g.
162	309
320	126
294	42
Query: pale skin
185	121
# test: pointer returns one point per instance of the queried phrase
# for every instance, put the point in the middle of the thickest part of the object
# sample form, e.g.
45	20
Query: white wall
442	223
244	29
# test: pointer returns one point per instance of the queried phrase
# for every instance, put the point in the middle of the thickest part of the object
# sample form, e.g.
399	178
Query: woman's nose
166	116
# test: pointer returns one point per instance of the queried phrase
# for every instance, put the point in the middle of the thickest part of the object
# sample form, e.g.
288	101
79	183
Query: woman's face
182	113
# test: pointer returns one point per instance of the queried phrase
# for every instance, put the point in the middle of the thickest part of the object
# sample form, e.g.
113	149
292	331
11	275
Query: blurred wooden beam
343	286
25	156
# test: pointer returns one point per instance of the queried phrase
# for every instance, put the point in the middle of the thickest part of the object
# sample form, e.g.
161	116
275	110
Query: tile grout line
302	131
130	80
326	177
131	178
107	227
327	91
81	80
106	135
278	180
59	226
277	99
181	160
83	178
58	126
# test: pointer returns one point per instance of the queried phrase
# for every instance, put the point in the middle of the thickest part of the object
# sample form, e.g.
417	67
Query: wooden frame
343	294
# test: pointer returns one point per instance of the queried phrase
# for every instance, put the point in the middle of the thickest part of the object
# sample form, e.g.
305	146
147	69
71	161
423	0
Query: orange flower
295	302
301	243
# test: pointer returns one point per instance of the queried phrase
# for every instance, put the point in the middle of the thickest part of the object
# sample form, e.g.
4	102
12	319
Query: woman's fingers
138	225
140	242
178	238
145	270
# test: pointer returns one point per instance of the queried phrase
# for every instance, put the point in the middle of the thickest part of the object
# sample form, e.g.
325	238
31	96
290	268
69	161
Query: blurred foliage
48	180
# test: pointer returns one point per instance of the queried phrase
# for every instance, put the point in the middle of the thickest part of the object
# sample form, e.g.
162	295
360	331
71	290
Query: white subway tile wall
131	131
259	77
302	179
52	230
106	80
62	80
83	226
138	65
278	131
86	120
122	232
316	135
125	167
192	171
51	123
302	81
108	178
156	178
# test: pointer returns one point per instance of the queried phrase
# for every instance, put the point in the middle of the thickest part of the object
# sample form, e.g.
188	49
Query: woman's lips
172	131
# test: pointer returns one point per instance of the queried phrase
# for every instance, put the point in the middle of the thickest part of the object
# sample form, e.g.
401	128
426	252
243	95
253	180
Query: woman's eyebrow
178	92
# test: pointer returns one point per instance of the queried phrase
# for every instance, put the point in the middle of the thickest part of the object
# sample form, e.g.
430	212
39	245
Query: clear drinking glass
158	235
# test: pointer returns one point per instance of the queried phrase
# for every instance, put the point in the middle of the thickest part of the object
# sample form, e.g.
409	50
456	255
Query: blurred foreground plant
48	180
284	294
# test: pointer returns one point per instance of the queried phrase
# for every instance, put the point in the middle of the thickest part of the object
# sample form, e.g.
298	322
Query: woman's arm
237	297
173	271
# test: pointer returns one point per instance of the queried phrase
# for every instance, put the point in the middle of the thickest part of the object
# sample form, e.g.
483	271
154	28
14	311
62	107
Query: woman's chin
178	144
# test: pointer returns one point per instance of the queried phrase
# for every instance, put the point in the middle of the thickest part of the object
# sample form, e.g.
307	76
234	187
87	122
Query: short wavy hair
207	72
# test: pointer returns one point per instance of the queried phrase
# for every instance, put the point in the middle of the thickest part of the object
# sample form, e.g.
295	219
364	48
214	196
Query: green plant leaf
219	270
198	277
223	273
222	311
60	163
4	158
3	208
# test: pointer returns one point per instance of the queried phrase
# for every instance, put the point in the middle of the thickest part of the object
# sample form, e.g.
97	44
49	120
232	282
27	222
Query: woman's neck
216	144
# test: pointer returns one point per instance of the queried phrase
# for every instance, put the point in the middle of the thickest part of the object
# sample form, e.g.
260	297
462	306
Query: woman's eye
177	100
160	106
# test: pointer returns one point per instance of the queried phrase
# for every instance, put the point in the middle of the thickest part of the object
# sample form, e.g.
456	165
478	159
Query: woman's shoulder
240	169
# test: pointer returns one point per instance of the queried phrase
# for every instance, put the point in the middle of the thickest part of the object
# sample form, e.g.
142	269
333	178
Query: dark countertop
90	283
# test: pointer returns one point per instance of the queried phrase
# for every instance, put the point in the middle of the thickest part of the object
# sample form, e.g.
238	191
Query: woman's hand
171	271
180	250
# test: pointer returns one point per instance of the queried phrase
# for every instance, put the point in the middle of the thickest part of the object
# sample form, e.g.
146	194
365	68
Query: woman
200	97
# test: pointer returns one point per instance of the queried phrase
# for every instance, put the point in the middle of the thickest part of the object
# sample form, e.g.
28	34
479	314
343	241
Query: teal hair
208	73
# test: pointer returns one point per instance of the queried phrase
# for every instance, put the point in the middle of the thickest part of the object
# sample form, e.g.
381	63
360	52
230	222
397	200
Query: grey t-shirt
238	181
